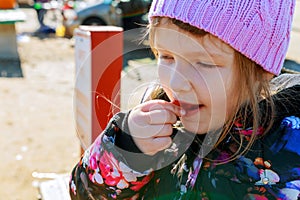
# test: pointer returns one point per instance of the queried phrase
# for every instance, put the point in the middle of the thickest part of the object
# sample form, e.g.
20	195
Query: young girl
220	125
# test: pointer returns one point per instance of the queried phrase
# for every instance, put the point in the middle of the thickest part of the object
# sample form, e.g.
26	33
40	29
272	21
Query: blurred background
72	13
38	137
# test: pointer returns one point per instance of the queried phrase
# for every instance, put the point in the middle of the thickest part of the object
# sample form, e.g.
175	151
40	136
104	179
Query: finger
155	131
155	117
158	144
162	142
165	131
162	105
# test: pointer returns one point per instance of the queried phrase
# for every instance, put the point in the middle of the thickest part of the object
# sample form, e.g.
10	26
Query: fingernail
182	112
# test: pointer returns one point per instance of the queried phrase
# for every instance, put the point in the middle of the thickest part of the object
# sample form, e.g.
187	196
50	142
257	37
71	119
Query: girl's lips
190	109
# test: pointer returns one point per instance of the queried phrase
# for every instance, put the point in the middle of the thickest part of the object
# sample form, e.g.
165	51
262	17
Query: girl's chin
199	127
194	127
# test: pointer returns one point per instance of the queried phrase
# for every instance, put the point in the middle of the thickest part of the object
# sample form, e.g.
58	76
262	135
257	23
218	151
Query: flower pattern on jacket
103	169
254	176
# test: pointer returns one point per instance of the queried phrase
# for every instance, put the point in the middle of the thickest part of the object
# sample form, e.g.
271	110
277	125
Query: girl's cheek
163	74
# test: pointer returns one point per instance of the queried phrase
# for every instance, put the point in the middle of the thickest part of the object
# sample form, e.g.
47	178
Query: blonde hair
251	85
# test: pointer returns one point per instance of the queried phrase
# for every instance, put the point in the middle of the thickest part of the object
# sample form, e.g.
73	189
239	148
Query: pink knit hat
259	29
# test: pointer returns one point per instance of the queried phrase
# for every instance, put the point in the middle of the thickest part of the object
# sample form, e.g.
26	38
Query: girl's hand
150	125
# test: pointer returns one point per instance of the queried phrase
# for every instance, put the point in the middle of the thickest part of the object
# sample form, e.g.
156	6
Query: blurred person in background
41	9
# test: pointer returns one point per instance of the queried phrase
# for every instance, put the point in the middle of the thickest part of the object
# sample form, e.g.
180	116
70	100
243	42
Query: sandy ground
37	121
37	126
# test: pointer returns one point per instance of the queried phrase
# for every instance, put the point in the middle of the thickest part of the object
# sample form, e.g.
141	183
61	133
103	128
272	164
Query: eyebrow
194	48
191	53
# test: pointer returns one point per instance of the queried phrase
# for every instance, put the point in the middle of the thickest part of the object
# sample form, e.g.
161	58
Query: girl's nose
179	81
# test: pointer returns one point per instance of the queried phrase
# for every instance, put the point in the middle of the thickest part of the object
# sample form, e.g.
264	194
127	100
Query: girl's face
198	73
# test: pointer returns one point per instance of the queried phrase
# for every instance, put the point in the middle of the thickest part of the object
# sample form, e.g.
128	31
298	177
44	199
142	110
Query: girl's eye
206	65
165	57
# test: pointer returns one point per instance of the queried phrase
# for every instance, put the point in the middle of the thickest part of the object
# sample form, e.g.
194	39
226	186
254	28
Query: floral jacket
114	168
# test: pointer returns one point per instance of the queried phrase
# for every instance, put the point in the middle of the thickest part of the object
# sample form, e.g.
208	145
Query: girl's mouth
189	108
